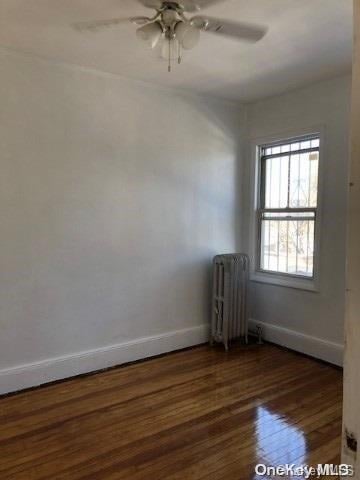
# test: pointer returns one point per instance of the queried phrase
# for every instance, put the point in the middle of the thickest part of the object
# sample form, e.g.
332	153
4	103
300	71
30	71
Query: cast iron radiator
229	301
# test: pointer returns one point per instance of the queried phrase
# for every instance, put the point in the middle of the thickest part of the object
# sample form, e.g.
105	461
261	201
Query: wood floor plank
163	435
195	414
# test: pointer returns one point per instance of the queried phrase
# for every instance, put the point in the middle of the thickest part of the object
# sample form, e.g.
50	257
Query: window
287	209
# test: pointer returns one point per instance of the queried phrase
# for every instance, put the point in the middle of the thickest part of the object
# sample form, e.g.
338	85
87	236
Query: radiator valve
259	335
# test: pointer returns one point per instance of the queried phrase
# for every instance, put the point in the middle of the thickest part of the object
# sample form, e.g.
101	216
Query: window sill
309	285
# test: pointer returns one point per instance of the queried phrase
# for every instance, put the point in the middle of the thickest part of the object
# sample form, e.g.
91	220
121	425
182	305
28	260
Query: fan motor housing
173	6
169	17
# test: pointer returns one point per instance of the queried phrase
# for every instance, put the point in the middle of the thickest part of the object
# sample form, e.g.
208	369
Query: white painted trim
34	374
284	281
313	284
316	347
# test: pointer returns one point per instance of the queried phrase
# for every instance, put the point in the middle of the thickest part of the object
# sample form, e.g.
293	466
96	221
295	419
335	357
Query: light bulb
187	35
150	33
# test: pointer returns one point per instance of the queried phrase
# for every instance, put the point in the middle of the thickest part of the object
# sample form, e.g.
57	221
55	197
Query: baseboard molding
316	347
34	374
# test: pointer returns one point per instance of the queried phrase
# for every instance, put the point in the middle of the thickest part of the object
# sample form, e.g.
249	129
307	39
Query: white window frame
274	278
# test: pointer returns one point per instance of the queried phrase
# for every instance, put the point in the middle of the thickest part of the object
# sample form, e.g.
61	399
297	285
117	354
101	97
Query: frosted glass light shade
150	33
187	35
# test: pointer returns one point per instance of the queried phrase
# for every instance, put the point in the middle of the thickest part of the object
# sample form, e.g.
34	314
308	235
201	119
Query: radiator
230	299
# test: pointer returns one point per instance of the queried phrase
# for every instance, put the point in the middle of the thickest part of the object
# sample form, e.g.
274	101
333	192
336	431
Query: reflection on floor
273	428
197	414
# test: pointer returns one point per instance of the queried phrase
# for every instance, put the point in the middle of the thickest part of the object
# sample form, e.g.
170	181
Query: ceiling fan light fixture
187	35
150	33
170	30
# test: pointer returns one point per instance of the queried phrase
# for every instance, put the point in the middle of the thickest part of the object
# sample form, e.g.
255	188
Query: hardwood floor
196	414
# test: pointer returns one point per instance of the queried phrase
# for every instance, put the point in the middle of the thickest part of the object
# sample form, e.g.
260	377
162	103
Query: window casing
287	209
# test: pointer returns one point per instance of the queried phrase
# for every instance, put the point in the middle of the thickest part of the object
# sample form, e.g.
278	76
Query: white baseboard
316	347
34	374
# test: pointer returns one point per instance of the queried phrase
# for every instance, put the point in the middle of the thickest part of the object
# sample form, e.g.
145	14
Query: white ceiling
308	40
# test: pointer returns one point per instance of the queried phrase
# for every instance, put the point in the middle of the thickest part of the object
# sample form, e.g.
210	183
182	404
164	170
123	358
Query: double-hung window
288	207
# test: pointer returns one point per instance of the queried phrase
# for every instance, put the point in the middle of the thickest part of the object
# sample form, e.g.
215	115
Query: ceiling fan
172	31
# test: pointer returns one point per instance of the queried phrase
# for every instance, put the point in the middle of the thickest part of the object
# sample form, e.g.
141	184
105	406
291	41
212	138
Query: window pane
315	143
285	148
288	246
305	145
291	180
303	183
295	146
276	150
276	182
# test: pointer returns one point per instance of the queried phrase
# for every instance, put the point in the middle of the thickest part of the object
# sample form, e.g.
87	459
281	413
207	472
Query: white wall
114	197
351	419
307	321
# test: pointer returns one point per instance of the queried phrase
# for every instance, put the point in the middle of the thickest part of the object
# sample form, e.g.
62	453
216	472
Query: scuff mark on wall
350	442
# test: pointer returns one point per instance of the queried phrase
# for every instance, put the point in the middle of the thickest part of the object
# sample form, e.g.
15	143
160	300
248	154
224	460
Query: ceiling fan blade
227	28
101	24
196	5
157	4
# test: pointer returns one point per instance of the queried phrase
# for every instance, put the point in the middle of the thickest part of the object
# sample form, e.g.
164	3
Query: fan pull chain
179	53
169	66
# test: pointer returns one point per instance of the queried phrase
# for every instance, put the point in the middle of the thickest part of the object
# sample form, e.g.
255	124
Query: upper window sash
298	144
286	154
280	173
